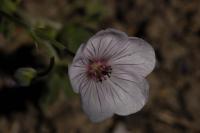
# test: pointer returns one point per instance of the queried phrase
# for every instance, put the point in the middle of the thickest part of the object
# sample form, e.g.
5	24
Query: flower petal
125	91
95	102
79	52
138	58
77	74
77	70
130	92
144	86
111	31
104	43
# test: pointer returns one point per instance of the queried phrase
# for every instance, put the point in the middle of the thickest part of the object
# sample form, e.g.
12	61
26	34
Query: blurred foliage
72	35
52	38
56	82
6	28
95	11
88	13
9	6
46	32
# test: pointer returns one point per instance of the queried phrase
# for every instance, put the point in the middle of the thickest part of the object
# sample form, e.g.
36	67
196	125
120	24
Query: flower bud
24	76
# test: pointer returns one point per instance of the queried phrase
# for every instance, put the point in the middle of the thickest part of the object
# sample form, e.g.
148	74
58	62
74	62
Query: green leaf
73	36
9	6
47	33
57	82
68	89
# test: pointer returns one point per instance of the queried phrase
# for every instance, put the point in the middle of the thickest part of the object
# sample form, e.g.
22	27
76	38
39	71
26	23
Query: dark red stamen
99	70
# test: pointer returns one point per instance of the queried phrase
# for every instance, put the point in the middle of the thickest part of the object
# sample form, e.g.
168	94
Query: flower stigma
99	70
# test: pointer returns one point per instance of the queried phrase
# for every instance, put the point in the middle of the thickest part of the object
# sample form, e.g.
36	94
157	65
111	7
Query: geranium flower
109	73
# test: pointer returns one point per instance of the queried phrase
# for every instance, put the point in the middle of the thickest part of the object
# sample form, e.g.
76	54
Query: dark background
48	104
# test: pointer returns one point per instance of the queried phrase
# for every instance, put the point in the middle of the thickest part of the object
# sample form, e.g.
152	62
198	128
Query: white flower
109	73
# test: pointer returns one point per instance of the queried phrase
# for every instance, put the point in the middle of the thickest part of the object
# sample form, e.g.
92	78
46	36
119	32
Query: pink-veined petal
79	53
104	43
83	54
111	31
77	74
139	58
130	92
126	91
95	101
145	88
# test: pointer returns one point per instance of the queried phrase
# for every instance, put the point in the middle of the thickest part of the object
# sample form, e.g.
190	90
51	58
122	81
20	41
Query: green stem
50	67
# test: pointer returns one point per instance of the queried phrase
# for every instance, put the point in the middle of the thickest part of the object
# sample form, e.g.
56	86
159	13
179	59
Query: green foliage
45	35
93	12
92	8
95	8
46	32
73	35
6	28
9	6
57	82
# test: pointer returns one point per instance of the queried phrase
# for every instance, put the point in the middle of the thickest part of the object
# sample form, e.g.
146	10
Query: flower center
99	70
